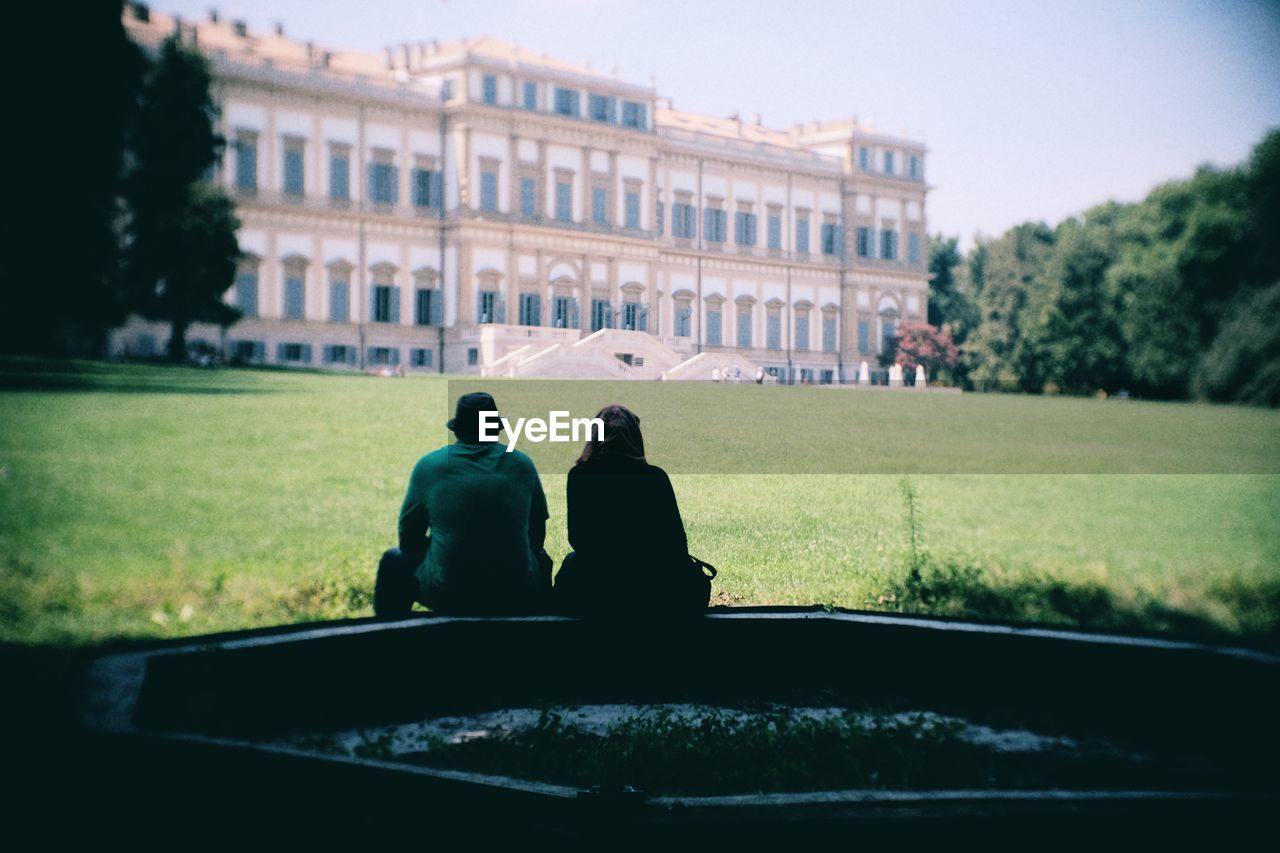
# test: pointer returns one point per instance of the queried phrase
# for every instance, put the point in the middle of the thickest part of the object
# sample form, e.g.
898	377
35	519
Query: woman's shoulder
616	466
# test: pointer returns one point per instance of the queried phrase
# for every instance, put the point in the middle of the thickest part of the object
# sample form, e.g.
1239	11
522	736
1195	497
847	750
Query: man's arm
538	515
414	520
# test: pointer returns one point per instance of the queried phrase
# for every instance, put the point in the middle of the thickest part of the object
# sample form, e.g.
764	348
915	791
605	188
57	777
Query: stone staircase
699	368
616	354
606	354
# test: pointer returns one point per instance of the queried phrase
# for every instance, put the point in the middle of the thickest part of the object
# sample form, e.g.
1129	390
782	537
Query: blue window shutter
437	308
633	210
575	317
395	185
246	165
293	176
280	351
373	303
339	309
371	189
247	295
338	188
708	224
395	356
528	205
502	308
306	353
395	305
599	206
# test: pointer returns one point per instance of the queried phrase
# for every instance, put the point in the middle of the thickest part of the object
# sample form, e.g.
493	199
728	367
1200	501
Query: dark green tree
949	303
1244	362
64	298
1073	336
1263	197
995	354
183	249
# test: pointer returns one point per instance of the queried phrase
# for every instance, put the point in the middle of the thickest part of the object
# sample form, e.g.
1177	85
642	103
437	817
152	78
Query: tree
66	298
1072	334
924	344
183	248
947	303
994	353
1244	362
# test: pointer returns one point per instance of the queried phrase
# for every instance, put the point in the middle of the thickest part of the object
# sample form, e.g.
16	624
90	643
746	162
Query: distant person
715	374
759	375
472	528
630	554
737	374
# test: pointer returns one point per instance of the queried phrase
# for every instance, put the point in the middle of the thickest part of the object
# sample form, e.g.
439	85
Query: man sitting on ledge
487	517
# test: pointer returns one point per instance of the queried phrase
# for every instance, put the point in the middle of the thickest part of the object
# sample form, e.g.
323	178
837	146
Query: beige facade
474	207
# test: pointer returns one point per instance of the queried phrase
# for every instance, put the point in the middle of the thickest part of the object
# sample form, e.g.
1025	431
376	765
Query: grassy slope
161	501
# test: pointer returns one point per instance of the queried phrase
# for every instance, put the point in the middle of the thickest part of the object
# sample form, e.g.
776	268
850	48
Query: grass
160	501
714	751
719	753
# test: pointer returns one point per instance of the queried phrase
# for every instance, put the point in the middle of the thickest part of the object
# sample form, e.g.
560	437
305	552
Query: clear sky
1031	110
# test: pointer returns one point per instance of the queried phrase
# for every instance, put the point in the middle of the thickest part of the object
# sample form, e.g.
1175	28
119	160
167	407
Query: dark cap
466	415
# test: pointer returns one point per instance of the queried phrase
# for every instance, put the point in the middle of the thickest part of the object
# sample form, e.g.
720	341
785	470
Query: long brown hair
621	436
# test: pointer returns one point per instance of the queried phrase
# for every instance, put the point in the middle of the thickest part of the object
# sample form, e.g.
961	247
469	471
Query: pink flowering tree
921	343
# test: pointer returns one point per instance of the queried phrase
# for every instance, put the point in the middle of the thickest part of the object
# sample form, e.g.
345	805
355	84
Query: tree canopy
1169	297
183	248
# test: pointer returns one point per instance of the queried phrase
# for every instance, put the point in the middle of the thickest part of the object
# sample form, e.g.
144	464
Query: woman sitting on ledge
629	548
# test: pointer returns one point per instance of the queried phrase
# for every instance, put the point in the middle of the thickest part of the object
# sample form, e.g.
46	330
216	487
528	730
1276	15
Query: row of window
568	102
384	301
423	357
564	312
866	245
427	185
715	228
773	330
427	188
384	305
889	164
330	354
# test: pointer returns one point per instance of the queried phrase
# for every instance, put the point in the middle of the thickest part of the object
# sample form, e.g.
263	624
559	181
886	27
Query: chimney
213	16
240	28
279	29
758	121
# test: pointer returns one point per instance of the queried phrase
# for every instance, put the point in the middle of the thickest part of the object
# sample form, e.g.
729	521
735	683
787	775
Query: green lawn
154	501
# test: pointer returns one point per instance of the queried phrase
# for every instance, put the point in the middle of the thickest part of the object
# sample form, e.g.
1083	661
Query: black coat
628	539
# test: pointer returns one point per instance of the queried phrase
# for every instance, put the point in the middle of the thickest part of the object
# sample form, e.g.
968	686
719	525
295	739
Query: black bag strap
702	566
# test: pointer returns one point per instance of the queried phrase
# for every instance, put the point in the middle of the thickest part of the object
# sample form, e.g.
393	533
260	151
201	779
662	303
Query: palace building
476	207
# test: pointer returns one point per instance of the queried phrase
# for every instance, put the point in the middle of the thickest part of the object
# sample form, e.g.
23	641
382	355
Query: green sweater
486	514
